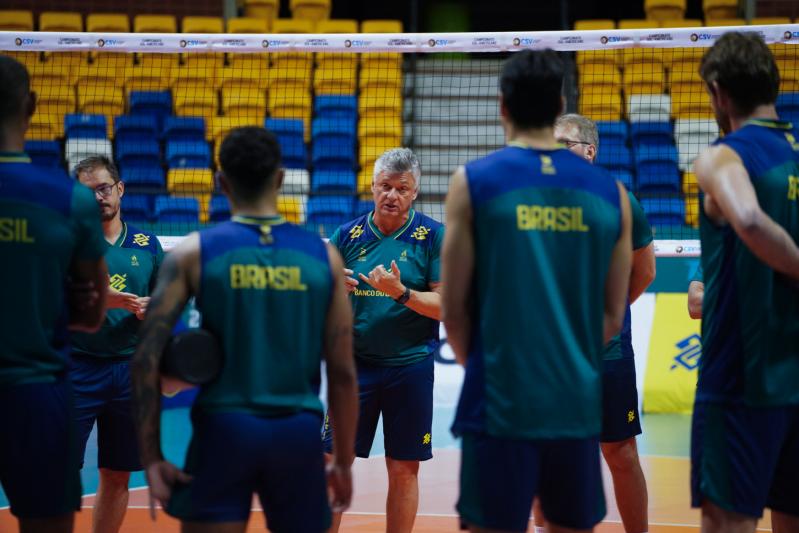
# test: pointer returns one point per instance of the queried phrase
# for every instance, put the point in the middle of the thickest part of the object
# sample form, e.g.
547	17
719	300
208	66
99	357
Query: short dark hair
250	158
744	67
531	83
97	161
15	87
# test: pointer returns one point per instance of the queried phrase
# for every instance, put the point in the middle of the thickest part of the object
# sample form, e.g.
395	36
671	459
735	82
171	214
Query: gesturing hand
387	281
349	281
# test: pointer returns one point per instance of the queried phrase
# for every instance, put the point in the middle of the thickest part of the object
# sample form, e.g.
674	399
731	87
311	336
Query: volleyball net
159	105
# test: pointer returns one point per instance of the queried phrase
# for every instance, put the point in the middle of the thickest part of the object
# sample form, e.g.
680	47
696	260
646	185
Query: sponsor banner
401	42
675	349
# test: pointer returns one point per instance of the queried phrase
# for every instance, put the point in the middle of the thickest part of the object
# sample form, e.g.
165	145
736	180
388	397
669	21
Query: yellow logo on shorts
117	282
426	439
141	239
420	233
630	417
356	232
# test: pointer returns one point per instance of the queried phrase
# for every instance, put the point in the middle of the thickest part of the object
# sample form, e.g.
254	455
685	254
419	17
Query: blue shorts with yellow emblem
620	418
404	396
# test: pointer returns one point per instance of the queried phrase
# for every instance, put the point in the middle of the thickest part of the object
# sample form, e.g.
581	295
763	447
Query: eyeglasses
570	143
105	190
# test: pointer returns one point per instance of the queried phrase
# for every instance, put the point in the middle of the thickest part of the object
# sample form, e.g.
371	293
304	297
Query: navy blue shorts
103	393
233	455
744	459
404	396
38	453
500	477
620	418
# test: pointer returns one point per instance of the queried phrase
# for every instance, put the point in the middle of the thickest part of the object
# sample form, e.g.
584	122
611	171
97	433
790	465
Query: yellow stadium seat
649	56
110	22
594	24
373	77
764	21
717	22
689	184
31	60
644	78
284	104
664	9
683	60
221	126
202	25
101	100
365	177
599	74
147	78
373	147
292	207
381	26
691	104
16	20
596	57
247	25
112	60
158	61
45	127
195	101
62	21
201	69
247	101
242	74
337	26
290	75
720	9
310	9
60	68
293	25
54	99
262	9
601	106
155	24
692	210
380	102
333	79
638	24
96	75
190	180
681	23
382	126
789	80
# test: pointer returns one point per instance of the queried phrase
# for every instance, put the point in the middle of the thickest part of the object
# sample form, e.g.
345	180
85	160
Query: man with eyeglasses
100	371
620	417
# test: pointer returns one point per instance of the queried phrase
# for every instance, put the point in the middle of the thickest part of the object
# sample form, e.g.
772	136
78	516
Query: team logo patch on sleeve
356	232
420	233
141	239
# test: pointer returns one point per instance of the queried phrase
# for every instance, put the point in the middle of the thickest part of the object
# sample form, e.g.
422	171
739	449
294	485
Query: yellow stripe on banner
675	347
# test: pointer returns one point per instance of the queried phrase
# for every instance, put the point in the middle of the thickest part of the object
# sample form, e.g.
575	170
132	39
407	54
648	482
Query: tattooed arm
177	281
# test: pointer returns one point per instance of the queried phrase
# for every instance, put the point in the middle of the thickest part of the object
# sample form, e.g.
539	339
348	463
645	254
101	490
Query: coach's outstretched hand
349	281
387	281
123	300
339	482
161	478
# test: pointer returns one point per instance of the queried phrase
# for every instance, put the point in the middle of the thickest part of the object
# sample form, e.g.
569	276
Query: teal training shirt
750	313
388	333
545	225
265	291
133	263
46	223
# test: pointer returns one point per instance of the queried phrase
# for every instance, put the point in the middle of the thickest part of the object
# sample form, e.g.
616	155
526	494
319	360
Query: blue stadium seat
288	126
138	153
154	103
656	168
219	209
615	132
176	209
331	153
337	106
77	126
625	177
363	206
333	181
135	128
195	154
329	211
138	178
615	157
652	133
664	211
44	153
332	127
788	108
293	151
184	129
137	207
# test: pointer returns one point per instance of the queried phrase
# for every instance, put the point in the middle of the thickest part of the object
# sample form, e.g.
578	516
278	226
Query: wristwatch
402	300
